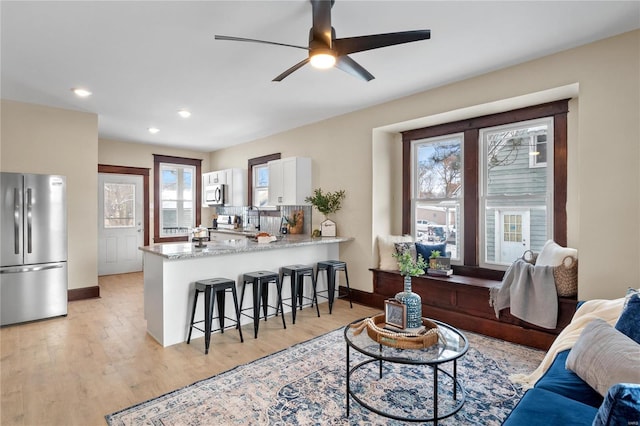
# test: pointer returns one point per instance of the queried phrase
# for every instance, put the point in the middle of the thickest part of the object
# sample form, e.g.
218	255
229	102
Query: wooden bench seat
464	303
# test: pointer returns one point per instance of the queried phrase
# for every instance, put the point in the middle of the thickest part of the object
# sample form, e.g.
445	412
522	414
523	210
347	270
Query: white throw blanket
530	292
608	310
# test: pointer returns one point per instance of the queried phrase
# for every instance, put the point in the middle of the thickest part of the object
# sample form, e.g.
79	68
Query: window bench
464	303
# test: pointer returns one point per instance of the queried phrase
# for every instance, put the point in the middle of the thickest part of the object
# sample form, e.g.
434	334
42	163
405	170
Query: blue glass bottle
413	302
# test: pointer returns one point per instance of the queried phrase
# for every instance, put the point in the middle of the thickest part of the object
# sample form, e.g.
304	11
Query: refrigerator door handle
29	213
20	269
16	221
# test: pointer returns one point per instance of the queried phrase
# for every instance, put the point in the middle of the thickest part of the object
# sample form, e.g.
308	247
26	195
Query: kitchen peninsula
171	270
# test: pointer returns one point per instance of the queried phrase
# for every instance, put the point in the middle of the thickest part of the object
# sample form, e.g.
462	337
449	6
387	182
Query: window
119	205
437	194
259	179
491	187
177	195
514	197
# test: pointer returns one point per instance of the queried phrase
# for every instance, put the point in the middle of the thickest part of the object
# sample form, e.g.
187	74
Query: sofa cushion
560	380
621	406
543	407
386	249
629	321
426	249
603	356
552	254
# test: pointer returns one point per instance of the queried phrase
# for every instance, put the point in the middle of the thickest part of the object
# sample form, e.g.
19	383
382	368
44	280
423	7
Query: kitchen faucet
249	218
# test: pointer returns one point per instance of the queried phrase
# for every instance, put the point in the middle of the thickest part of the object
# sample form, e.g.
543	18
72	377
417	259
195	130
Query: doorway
513	235
123	218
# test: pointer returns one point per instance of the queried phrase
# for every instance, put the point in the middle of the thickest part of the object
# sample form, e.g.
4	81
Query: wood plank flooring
99	359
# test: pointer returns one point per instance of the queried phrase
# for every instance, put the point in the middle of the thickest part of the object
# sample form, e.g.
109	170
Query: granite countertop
239	244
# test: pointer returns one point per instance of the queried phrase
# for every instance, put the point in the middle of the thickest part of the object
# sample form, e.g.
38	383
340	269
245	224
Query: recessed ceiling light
153	130
184	113
83	93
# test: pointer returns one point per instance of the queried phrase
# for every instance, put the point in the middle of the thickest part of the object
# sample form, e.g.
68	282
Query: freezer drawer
33	292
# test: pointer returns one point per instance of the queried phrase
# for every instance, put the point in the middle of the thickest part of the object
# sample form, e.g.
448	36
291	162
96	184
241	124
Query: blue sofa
561	397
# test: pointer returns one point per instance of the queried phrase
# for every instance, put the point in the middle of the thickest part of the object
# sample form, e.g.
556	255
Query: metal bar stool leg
315	293
279	287
208	311
346	275
193	315
235	302
220	296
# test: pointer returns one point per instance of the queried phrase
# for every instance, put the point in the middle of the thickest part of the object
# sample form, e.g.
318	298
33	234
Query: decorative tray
427	337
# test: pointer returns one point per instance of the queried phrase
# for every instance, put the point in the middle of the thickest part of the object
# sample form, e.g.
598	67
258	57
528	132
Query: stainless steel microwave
214	195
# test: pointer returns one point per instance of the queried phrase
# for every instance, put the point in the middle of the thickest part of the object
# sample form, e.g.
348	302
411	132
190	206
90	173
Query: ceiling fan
326	51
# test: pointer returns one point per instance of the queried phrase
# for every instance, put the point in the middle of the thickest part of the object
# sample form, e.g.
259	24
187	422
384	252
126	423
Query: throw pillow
603	356
629	321
621	406
386	248
552	254
411	247
426	249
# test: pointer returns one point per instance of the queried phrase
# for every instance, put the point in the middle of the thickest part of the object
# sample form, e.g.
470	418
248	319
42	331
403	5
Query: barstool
296	274
211	288
260	281
332	267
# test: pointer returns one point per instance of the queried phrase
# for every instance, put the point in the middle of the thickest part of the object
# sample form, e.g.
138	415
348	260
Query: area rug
305	385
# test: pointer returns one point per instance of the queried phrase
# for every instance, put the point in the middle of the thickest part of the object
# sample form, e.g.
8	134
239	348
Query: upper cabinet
289	181
235	181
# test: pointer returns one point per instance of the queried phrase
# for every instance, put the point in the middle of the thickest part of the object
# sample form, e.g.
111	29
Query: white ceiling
144	60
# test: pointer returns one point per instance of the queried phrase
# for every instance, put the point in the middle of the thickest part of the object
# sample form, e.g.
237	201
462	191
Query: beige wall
118	153
603	204
37	139
359	152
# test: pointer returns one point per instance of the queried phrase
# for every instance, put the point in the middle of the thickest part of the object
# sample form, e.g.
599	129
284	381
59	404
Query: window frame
558	110
157	199
251	163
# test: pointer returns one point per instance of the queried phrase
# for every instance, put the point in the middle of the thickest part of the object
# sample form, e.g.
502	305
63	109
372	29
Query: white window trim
459	260
482	190
179	191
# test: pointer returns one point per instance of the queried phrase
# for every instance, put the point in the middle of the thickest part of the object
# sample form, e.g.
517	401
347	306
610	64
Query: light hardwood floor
99	359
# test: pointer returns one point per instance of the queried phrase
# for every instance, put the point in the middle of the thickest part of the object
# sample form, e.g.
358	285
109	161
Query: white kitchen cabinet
236	185
214	178
289	181
236	180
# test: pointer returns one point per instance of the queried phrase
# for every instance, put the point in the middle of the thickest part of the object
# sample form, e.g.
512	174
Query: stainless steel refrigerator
33	230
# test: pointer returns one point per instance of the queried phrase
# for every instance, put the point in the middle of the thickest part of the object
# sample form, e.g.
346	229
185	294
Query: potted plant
433	259
327	203
410	267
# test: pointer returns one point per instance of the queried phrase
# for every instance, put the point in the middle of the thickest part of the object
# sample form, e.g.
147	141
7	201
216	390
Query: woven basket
401	340
565	274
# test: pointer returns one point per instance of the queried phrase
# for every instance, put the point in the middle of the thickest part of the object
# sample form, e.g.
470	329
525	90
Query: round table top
456	345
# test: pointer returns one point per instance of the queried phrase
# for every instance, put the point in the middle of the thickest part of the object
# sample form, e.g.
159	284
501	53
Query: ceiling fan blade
291	70
251	40
321	18
345	46
350	66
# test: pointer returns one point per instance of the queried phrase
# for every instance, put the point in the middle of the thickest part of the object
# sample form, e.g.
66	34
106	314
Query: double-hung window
176	197
489	187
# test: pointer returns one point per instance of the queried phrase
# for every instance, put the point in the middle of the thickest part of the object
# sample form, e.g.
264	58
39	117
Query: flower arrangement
326	203
408	265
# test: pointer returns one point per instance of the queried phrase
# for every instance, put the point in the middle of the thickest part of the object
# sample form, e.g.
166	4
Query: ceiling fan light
323	60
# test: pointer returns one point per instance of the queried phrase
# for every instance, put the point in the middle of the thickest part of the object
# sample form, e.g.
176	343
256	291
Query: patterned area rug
305	385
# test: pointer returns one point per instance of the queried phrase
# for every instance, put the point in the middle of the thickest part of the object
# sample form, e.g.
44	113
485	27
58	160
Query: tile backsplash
270	220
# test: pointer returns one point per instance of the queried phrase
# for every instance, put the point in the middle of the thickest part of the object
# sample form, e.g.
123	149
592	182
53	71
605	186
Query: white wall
38	139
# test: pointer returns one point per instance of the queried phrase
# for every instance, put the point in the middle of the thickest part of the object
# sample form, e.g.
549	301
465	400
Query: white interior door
513	235
120	223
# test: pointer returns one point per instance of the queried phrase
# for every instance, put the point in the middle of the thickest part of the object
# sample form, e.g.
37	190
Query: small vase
413	302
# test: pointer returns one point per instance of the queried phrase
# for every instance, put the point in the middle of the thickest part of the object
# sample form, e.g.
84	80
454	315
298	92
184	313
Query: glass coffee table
430	381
